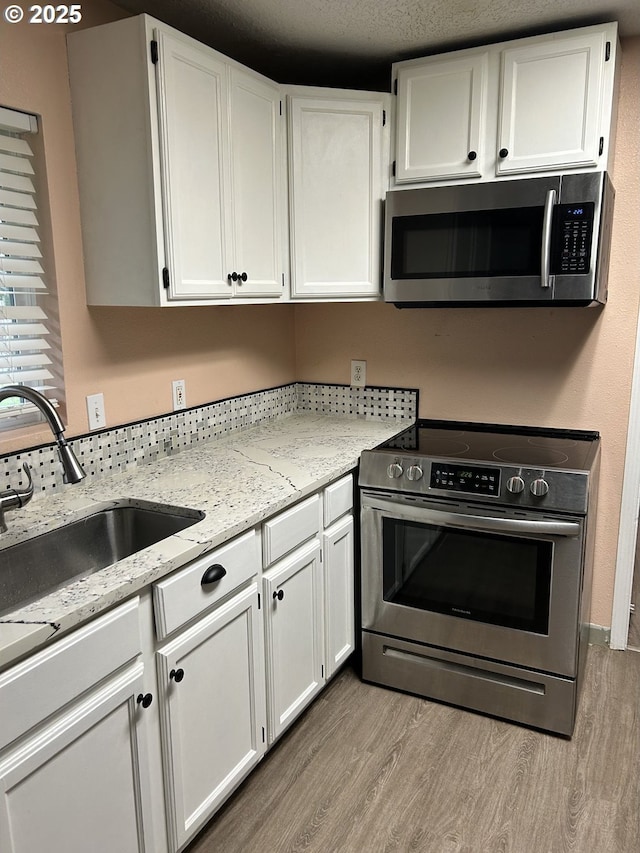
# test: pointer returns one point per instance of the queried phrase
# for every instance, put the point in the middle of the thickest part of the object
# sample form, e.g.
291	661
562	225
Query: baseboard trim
599	636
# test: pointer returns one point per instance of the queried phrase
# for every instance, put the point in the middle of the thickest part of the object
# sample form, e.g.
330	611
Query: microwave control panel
465	478
572	237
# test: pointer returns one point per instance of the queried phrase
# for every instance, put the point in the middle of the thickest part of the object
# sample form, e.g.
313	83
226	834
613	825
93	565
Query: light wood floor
369	770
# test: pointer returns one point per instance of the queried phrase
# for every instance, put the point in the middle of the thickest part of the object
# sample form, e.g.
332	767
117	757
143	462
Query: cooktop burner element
533	467
546	457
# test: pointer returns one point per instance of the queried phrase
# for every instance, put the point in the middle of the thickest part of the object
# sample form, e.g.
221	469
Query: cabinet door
440	120
336	197
192	97
256	190
82	783
550	104
211	680
293	625
339	598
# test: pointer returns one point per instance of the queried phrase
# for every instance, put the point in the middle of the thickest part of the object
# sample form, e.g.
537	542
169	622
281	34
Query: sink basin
38	566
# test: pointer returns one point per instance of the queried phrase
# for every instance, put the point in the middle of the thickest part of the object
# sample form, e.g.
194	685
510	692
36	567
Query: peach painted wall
555	367
130	355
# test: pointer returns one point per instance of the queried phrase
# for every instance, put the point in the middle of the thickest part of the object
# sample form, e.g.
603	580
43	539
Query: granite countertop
238	481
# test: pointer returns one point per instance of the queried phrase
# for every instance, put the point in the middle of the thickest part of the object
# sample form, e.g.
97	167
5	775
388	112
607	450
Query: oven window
476	243
502	580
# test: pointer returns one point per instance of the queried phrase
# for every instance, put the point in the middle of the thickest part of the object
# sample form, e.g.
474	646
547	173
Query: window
27	339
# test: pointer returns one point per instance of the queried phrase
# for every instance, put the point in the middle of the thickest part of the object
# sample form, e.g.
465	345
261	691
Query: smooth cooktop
536	447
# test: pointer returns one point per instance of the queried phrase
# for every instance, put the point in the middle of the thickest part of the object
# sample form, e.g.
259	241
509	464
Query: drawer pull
177	675
213	573
144	700
279	595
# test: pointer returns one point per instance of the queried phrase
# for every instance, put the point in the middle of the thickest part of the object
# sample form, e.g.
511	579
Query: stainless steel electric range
477	551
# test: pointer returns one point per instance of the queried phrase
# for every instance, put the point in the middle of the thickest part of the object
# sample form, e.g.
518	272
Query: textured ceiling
353	42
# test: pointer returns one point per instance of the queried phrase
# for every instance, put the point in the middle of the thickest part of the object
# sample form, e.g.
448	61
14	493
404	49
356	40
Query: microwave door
471	256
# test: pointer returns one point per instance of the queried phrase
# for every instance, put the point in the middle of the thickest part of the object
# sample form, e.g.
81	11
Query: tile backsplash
116	449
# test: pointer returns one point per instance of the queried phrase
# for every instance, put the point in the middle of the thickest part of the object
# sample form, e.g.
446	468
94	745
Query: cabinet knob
503	152
471	155
233	276
176	675
279	595
243	276
144	699
212	574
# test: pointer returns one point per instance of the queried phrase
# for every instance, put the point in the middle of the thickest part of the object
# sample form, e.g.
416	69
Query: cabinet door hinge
395	86
264	737
259	606
393	168
322	669
607	51
283	279
384	117
280	107
601	146
154	52
165	278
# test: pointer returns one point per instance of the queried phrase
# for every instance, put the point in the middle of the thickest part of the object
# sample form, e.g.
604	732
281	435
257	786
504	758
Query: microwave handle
547	223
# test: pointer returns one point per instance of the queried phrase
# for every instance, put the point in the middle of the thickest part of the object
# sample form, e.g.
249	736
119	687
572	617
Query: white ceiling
353	42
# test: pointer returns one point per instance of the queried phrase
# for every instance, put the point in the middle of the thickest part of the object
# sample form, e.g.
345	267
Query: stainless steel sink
38	566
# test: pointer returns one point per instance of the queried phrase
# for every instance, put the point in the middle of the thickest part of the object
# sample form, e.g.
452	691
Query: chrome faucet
73	473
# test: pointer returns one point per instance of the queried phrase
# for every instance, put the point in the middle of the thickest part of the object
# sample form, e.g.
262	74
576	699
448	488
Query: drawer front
183	596
33	690
289	529
338	499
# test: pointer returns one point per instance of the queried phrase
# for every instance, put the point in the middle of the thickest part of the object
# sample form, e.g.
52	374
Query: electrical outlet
179	395
358	374
95	411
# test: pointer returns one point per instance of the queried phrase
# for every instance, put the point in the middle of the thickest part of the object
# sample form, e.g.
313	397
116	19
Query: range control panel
572	237
465	478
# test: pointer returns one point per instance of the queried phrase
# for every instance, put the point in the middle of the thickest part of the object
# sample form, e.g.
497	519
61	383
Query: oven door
473	579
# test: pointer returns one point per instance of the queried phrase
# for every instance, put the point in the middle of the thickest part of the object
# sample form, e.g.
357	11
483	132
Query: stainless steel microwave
533	241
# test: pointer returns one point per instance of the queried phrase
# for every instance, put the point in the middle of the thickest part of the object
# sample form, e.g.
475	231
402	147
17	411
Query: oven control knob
414	472
395	470
515	485
539	488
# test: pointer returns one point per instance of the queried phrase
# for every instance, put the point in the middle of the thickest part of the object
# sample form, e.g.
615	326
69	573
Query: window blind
26	339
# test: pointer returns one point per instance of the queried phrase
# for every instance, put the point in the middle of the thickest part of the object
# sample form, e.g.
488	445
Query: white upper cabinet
192	90
179	166
533	105
441	116
551	104
337	152
257	196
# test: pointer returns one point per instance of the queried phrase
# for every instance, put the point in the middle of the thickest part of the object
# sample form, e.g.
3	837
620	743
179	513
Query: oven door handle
474	522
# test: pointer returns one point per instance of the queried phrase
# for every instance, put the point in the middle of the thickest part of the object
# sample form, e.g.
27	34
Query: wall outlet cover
179	395
358	374
95	411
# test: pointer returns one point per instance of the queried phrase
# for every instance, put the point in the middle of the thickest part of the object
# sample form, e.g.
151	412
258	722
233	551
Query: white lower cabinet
211	685
294	634
338	558
82	783
101	750
309	599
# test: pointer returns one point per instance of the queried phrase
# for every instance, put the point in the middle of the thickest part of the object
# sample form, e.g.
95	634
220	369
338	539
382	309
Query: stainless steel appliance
524	242
477	545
